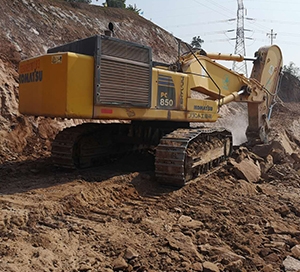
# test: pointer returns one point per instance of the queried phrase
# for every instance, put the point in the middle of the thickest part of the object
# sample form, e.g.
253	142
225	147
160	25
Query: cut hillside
289	88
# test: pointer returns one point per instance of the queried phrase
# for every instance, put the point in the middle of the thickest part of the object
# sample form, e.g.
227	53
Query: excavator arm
224	86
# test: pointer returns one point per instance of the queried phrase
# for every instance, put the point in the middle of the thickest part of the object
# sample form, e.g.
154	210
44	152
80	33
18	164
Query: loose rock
291	264
296	251
120	264
130	253
247	170
210	267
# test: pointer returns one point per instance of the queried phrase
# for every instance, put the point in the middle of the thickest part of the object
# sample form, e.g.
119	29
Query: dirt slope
242	216
290	88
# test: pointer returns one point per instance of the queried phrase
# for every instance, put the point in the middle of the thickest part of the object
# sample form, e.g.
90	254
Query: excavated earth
241	216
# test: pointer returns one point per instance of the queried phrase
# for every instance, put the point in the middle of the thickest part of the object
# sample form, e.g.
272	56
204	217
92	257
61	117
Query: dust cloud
237	127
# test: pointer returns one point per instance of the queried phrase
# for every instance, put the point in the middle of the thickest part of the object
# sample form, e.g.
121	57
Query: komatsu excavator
104	78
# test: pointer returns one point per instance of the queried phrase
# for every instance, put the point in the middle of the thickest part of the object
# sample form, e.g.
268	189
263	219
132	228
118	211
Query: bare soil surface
241	216
117	218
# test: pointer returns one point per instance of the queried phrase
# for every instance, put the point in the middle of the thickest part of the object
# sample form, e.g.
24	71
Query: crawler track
185	153
89	144
181	155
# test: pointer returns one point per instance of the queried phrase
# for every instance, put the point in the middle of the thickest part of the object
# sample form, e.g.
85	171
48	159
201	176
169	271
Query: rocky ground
241	216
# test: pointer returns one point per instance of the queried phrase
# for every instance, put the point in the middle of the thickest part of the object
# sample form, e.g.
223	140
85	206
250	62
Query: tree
79	1
134	8
292	69
115	3
121	4
197	42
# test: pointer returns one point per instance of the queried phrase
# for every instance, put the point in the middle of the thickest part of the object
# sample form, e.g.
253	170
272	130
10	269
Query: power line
288	34
277	21
209	7
222	7
201	23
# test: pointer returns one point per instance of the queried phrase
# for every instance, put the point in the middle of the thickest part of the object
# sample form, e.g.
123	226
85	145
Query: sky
215	22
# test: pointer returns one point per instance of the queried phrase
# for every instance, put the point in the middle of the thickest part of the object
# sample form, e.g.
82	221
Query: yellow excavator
105	78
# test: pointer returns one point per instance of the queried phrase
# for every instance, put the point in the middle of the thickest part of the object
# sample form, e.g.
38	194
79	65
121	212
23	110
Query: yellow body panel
153	114
62	85
180	83
198	111
227	81
205	110
57	85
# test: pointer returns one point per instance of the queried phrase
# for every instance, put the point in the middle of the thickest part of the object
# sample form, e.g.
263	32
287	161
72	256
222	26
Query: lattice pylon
240	67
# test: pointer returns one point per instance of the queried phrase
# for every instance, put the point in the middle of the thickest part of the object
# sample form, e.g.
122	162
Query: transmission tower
272	36
240	67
